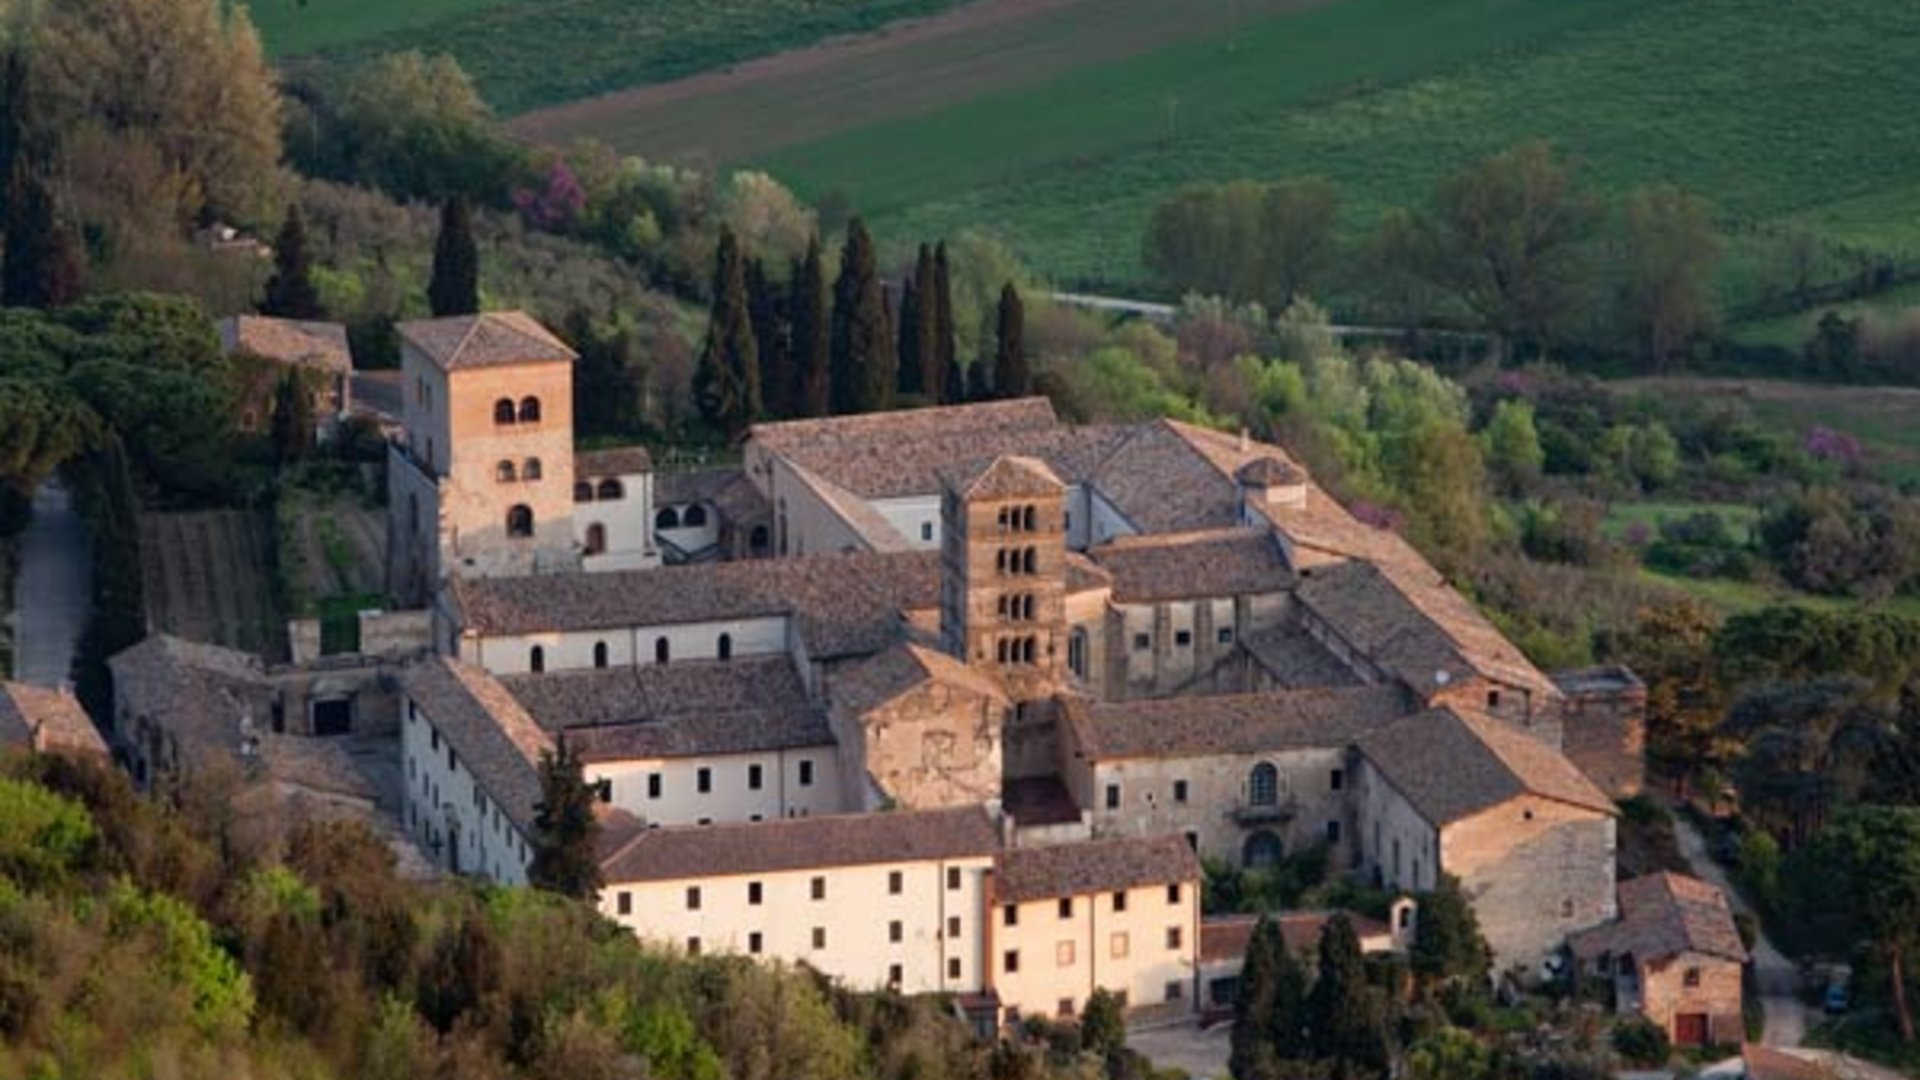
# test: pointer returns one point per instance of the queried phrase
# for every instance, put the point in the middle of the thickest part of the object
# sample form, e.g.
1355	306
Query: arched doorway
1261	851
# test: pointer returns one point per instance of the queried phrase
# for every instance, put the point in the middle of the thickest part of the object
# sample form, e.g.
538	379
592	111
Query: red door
1690	1029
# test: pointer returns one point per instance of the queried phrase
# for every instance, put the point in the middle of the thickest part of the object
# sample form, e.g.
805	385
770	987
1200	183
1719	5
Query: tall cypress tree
1344	1014
1251	1045
727	382
862	342
908	341
292	421
455	287
102	485
565	831
290	291
1012	378
812	355
944	359
43	267
766	310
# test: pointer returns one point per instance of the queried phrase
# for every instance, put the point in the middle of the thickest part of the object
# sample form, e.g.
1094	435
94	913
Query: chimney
1246	443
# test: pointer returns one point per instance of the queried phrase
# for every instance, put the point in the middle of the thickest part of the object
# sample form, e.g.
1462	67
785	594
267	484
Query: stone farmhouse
1674	956
988	681
48	721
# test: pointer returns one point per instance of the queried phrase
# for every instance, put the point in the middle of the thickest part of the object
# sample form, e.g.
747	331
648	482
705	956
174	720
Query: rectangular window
1066	1008
1173	937
753	778
1692	978
1010	962
1333	832
895	973
1337	779
433	737
806	773
819	888
1183	638
1120	901
819	937
693	946
1117	945
896	932
953	926
753	943
693	898
753	893
1176	990
624	900
703	780
1010	915
953	877
896	882
1113	796
653	785
1063	954
1142	642
1180	791
953	967
1225	636
926	530
1066	907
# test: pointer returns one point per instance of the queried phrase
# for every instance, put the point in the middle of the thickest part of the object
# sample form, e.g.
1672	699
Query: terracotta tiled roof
489	339
318	765
1225	938
1085	575
491	735
870	525
1487	762
1008	476
709	851
1769	1063
1292	657
1233	724
321	345
198	693
843	605
682	709
46	719
889	454
1095	866
877	680
681	486
613	461
1161	482
1173	566
1663	915
741	503
1270	472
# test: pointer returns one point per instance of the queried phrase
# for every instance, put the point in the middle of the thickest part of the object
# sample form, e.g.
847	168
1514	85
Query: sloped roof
196	692
613	461
321	345
1212	563
711	851
1161	482
1008	476
491	734
489	339
1294	659
870	525
1039	873
1232	724
1665	914
877	680
1486	762
1226	937
1269	472
47	720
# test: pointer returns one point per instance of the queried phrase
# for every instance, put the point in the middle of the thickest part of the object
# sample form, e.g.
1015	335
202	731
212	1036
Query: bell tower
1003	573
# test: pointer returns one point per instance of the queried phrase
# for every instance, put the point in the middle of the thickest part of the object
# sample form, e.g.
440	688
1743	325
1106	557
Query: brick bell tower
1003	566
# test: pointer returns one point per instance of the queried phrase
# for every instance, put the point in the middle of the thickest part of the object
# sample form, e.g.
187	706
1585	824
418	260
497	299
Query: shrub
1641	1041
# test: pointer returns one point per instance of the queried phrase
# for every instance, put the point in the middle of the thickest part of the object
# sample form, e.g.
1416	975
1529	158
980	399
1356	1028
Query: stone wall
1665	995
1215	811
1606	727
1536	870
934	746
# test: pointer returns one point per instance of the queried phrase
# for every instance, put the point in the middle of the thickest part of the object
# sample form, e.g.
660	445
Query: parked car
1836	999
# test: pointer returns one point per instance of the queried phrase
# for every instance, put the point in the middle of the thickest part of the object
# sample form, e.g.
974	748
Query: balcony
1280	809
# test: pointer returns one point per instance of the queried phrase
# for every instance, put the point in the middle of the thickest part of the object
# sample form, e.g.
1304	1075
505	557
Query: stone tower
482	483
1003	573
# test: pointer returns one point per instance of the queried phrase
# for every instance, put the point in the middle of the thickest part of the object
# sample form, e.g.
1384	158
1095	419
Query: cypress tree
979	381
765	311
102	484
1251	1045
43	267
862	341
292	417
565	831
1012	378
455	287
945	362
290	291
812	356
1343	1012
727	381
908	347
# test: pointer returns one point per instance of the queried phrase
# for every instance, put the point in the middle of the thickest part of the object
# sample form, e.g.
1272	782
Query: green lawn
299	27
1741	596
1792	331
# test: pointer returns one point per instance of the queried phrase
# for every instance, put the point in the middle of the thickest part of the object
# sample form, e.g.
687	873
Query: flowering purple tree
557	206
1826	444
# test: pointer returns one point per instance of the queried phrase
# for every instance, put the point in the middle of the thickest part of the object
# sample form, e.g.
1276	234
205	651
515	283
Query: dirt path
50	590
1777	978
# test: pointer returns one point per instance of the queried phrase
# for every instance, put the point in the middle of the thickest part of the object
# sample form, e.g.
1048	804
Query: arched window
1077	652
529	410
537	659
661	652
695	517
531	470
611	489
1026	607
667	518
1026	561
725	648
1262	850
599	654
503	411
1027	650
1002	519
1263	785
1003	605
596	539
582	492
520	520
1000	561
503	472
1027	519
1001	649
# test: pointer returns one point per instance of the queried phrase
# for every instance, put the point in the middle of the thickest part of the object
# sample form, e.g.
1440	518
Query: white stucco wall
1142	951
793	783
444	805
512	654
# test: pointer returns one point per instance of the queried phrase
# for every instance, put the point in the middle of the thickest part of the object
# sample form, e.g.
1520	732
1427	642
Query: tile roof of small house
1487	762
200	694
842	605
491	734
47	720
879	679
1007	476
321	345
1175	566
613	461
489	339
1225	938
1095	866
710	851
683	709
1663	915
1232	724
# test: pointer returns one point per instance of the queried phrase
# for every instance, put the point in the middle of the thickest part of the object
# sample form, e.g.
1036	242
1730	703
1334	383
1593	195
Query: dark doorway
333	717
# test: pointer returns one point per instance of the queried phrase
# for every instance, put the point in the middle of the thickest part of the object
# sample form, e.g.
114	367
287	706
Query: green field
1622	516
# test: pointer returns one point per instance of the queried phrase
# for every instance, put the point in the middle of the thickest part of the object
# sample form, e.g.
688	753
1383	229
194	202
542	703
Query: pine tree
290	291
727	382
812	355
43	266
1012	378
455	287
1446	939
863	376
1344	1014
766	311
908	346
292	417
565	832
1251	1044
945	362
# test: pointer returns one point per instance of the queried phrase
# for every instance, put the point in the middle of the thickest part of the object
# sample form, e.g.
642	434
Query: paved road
1777	979
50	592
